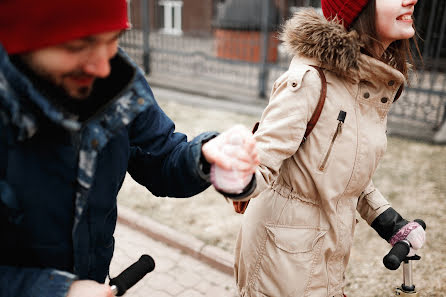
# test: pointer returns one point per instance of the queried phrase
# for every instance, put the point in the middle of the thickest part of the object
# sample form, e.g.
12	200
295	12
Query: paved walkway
176	272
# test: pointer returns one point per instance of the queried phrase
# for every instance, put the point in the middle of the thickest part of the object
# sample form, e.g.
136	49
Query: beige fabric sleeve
371	203
282	126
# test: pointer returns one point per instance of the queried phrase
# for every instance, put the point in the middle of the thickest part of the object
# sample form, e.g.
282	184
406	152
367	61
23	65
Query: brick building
195	17
176	17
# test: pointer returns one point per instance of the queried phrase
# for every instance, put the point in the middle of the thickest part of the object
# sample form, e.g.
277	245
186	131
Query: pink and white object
230	181
412	232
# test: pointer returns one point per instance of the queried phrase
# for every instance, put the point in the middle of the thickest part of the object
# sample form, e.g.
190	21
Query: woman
297	233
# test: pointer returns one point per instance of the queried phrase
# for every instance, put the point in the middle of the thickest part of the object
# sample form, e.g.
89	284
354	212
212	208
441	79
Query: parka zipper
341	119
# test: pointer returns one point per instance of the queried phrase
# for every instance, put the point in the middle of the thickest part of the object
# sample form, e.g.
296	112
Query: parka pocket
290	255
294	239
341	119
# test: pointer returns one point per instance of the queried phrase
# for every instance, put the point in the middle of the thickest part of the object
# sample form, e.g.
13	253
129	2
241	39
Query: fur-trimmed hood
310	35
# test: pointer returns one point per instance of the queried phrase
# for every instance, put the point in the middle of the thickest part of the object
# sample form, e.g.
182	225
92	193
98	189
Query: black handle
396	255
399	251
134	273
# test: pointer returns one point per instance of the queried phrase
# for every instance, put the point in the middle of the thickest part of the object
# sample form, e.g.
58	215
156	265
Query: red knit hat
346	10
27	25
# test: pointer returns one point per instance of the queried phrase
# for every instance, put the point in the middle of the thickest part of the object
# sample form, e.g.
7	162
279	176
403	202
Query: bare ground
412	176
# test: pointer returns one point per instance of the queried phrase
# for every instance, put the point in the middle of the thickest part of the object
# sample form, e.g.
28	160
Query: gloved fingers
235	135
250	147
417	237
244	152
241	159
229	181
233	149
213	154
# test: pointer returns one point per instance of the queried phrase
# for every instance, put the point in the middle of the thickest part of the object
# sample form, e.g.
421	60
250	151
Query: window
171	17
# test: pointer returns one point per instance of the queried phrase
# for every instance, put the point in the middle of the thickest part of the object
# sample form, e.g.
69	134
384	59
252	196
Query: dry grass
412	175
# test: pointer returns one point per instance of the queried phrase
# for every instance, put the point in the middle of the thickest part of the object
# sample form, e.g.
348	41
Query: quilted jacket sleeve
163	160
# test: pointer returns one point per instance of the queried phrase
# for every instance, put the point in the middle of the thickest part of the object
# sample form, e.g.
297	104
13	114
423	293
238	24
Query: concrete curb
211	255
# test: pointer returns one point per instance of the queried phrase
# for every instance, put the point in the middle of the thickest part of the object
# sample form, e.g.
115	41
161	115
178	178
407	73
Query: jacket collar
311	38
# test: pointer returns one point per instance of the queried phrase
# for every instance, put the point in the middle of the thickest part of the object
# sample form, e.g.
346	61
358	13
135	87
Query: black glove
393	228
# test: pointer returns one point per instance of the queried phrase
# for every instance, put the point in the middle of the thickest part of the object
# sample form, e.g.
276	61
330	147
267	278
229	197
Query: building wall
197	17
136	13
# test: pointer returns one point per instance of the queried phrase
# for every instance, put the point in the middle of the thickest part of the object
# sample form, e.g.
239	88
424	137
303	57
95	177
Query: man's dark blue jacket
59	176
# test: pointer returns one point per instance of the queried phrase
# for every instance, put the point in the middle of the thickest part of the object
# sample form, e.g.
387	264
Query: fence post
263	73
145	36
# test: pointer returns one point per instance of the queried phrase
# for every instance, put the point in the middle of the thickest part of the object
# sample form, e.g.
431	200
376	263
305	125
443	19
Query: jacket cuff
204	168
371	204
248	190
388	223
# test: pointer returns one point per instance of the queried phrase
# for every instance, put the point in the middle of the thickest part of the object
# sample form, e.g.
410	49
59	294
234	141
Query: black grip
421	222
399	251
134	273
396	255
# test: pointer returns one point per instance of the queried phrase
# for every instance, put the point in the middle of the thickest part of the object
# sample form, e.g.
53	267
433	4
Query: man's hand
233	157
88	288
233	149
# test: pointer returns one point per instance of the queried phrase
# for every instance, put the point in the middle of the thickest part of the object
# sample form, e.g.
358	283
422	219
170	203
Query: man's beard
49	85
79	93
50	88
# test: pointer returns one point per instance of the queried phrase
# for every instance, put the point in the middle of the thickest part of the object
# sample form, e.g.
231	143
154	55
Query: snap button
140	101
94	143
366	95
391	83
384	99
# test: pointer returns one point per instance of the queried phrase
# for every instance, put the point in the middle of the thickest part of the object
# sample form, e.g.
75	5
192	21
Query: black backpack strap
317	112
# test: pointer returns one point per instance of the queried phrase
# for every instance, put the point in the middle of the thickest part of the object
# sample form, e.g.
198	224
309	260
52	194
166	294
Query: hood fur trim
310	35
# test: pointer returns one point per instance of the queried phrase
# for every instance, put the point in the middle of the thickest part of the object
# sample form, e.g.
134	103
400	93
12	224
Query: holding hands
233	158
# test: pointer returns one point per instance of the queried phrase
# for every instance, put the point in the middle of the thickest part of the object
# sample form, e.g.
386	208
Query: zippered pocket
341	119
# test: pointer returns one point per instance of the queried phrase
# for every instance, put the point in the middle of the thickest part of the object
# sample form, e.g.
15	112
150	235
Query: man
75	115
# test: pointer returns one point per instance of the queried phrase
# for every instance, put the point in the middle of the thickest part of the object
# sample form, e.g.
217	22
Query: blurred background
229	49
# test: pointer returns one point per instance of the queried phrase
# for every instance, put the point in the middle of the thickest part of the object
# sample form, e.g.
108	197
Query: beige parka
297	233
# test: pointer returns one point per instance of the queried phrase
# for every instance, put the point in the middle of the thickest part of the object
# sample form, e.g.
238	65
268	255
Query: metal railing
244	63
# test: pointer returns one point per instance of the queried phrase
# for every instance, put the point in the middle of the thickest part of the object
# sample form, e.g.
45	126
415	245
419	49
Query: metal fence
241	57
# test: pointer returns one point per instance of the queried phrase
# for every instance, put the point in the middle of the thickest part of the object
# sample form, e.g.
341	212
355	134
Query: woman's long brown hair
398	52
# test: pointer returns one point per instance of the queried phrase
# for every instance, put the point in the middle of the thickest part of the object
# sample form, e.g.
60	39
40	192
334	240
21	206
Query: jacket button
366	95
384	99
391	83
94	143
140	101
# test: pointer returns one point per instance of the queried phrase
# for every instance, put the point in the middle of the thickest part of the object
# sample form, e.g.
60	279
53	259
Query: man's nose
98	63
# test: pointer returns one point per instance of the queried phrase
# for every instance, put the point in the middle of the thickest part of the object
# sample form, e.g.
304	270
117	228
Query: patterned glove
393	228
233	159
412	232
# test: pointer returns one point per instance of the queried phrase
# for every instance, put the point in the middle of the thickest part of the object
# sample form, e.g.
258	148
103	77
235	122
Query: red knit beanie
27	25
346	10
